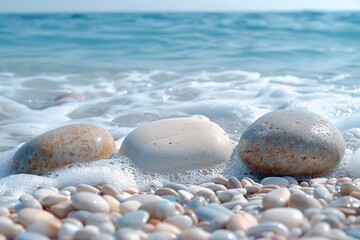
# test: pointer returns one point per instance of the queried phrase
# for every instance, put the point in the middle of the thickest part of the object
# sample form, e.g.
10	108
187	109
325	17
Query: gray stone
291	142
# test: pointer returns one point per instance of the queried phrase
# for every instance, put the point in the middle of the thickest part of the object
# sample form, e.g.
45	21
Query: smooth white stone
113	203
62	209
178	144
208	214
144	198
167	227
107	228
127	234
4	212
103	236
282	182
290	217
97	219
42	193
222	234
322	192
129	206
90	202
180	221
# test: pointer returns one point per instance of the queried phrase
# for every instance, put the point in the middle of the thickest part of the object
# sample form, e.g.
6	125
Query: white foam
125	100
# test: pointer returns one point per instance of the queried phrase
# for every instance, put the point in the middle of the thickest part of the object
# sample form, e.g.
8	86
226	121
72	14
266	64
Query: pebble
268	227
67	231
62	209
241	221
166	191
303	202
27	216
86	233
129	206
113	203
180	221
48	228
233	182
322	192
222	234
177	144
53	200
160	210
276	198
90	202
279	181
291	142
8	228
62	146
167	227
194	234
86	188
107	189
208	214
30	236
290	217
161	236
135	219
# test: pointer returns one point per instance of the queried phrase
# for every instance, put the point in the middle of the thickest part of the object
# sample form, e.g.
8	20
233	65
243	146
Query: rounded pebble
291	142
90	202
177	144
62	146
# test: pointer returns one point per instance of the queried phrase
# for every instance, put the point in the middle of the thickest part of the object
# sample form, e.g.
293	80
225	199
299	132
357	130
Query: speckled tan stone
70	144
291	142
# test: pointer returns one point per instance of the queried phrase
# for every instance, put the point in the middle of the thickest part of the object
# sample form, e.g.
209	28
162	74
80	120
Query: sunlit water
136	68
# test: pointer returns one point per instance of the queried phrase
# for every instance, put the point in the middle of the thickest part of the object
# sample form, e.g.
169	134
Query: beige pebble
132	190
180	221
241	221
113	203
355	194
167	227
61	210
276	198
28	216
108	189
40	194
344	180
220	180
8	228
166	191
129	206
347	188
86	188
53	200
161	209
90	202
48	228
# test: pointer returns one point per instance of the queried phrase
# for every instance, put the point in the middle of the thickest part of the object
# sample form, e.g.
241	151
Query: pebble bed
223	209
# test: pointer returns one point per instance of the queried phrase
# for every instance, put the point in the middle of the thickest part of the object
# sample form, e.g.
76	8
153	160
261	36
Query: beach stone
62	146
30	235
67	231
86	233
160	209
62	209
48	228
279	181
222	234
180	221
161	236
177	144
134	219
194	234
27	216
241	221
302	202
276	198
290	217
291	142
90	202
275	227
8	228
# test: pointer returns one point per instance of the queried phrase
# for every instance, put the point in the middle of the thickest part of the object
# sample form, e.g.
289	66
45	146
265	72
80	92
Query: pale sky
175	5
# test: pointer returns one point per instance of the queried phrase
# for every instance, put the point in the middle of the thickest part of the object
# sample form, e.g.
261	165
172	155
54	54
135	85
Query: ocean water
132	69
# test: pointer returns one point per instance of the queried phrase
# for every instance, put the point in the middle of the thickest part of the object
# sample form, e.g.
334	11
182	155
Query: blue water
308	44
132	69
